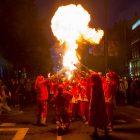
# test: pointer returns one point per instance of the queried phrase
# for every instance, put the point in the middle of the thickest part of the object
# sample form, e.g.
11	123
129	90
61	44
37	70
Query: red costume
110	88
97	113
74	101
62	101
84	102
56	92
42	96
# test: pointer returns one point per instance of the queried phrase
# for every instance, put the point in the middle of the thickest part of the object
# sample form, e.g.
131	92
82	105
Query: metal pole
105	43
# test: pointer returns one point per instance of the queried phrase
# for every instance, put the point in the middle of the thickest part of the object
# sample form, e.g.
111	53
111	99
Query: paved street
18	126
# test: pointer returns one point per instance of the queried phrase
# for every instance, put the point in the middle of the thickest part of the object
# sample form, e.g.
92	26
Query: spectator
21	89
28	91
138	90
13	94
17	92
10	84
122	91
3	102
133	87
128	91
33	91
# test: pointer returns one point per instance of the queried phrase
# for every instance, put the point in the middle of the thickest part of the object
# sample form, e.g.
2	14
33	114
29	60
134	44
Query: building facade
134	62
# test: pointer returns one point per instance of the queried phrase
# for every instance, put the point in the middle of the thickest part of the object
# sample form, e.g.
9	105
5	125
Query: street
20	125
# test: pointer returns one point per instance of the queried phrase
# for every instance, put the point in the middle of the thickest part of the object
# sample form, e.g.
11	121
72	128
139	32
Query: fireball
70	25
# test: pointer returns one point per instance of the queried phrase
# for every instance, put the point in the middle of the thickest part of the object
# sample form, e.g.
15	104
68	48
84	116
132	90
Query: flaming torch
70	25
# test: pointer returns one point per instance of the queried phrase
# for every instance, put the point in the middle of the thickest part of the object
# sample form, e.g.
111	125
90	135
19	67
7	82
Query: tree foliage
22	41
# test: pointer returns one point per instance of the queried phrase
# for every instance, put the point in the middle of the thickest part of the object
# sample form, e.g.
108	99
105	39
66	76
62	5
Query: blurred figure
74	101
42	97
97	113
133	94
13	94
110	86
17	93
3	102
128	91
122	91
33	91
62	101
138	90
28	86
22	89
84	102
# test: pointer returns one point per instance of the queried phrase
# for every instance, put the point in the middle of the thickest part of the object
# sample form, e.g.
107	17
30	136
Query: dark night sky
116	10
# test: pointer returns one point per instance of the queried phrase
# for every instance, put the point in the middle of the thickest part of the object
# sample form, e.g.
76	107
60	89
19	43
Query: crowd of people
128	91
86	96
16	93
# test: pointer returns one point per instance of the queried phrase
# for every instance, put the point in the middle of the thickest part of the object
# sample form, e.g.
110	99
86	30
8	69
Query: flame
69	25
69	74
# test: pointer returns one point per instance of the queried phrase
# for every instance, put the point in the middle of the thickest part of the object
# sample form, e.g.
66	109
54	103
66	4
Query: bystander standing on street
28	85
138	90
133	87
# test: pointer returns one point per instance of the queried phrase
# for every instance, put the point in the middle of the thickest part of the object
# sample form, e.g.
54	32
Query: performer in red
58	82
62	101
42	96
84	102
52	80
97	113
110	85
74	101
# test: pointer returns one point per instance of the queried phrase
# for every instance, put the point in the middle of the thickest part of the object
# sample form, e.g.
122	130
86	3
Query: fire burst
69	25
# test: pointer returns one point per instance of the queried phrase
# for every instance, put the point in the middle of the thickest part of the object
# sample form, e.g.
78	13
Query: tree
22	41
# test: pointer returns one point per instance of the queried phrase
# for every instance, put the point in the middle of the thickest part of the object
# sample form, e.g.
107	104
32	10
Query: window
138	63
136	72
133	64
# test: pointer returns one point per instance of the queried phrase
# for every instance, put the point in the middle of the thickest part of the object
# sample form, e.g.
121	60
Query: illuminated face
79	76
107	79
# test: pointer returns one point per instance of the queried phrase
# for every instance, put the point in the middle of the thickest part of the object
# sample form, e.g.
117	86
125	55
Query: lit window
138	63
135	72
135	64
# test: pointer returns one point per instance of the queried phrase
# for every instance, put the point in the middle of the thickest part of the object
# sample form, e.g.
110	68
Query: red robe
110	88
62	102
83	91
97	113
42	96
42	92
74	89
88	89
